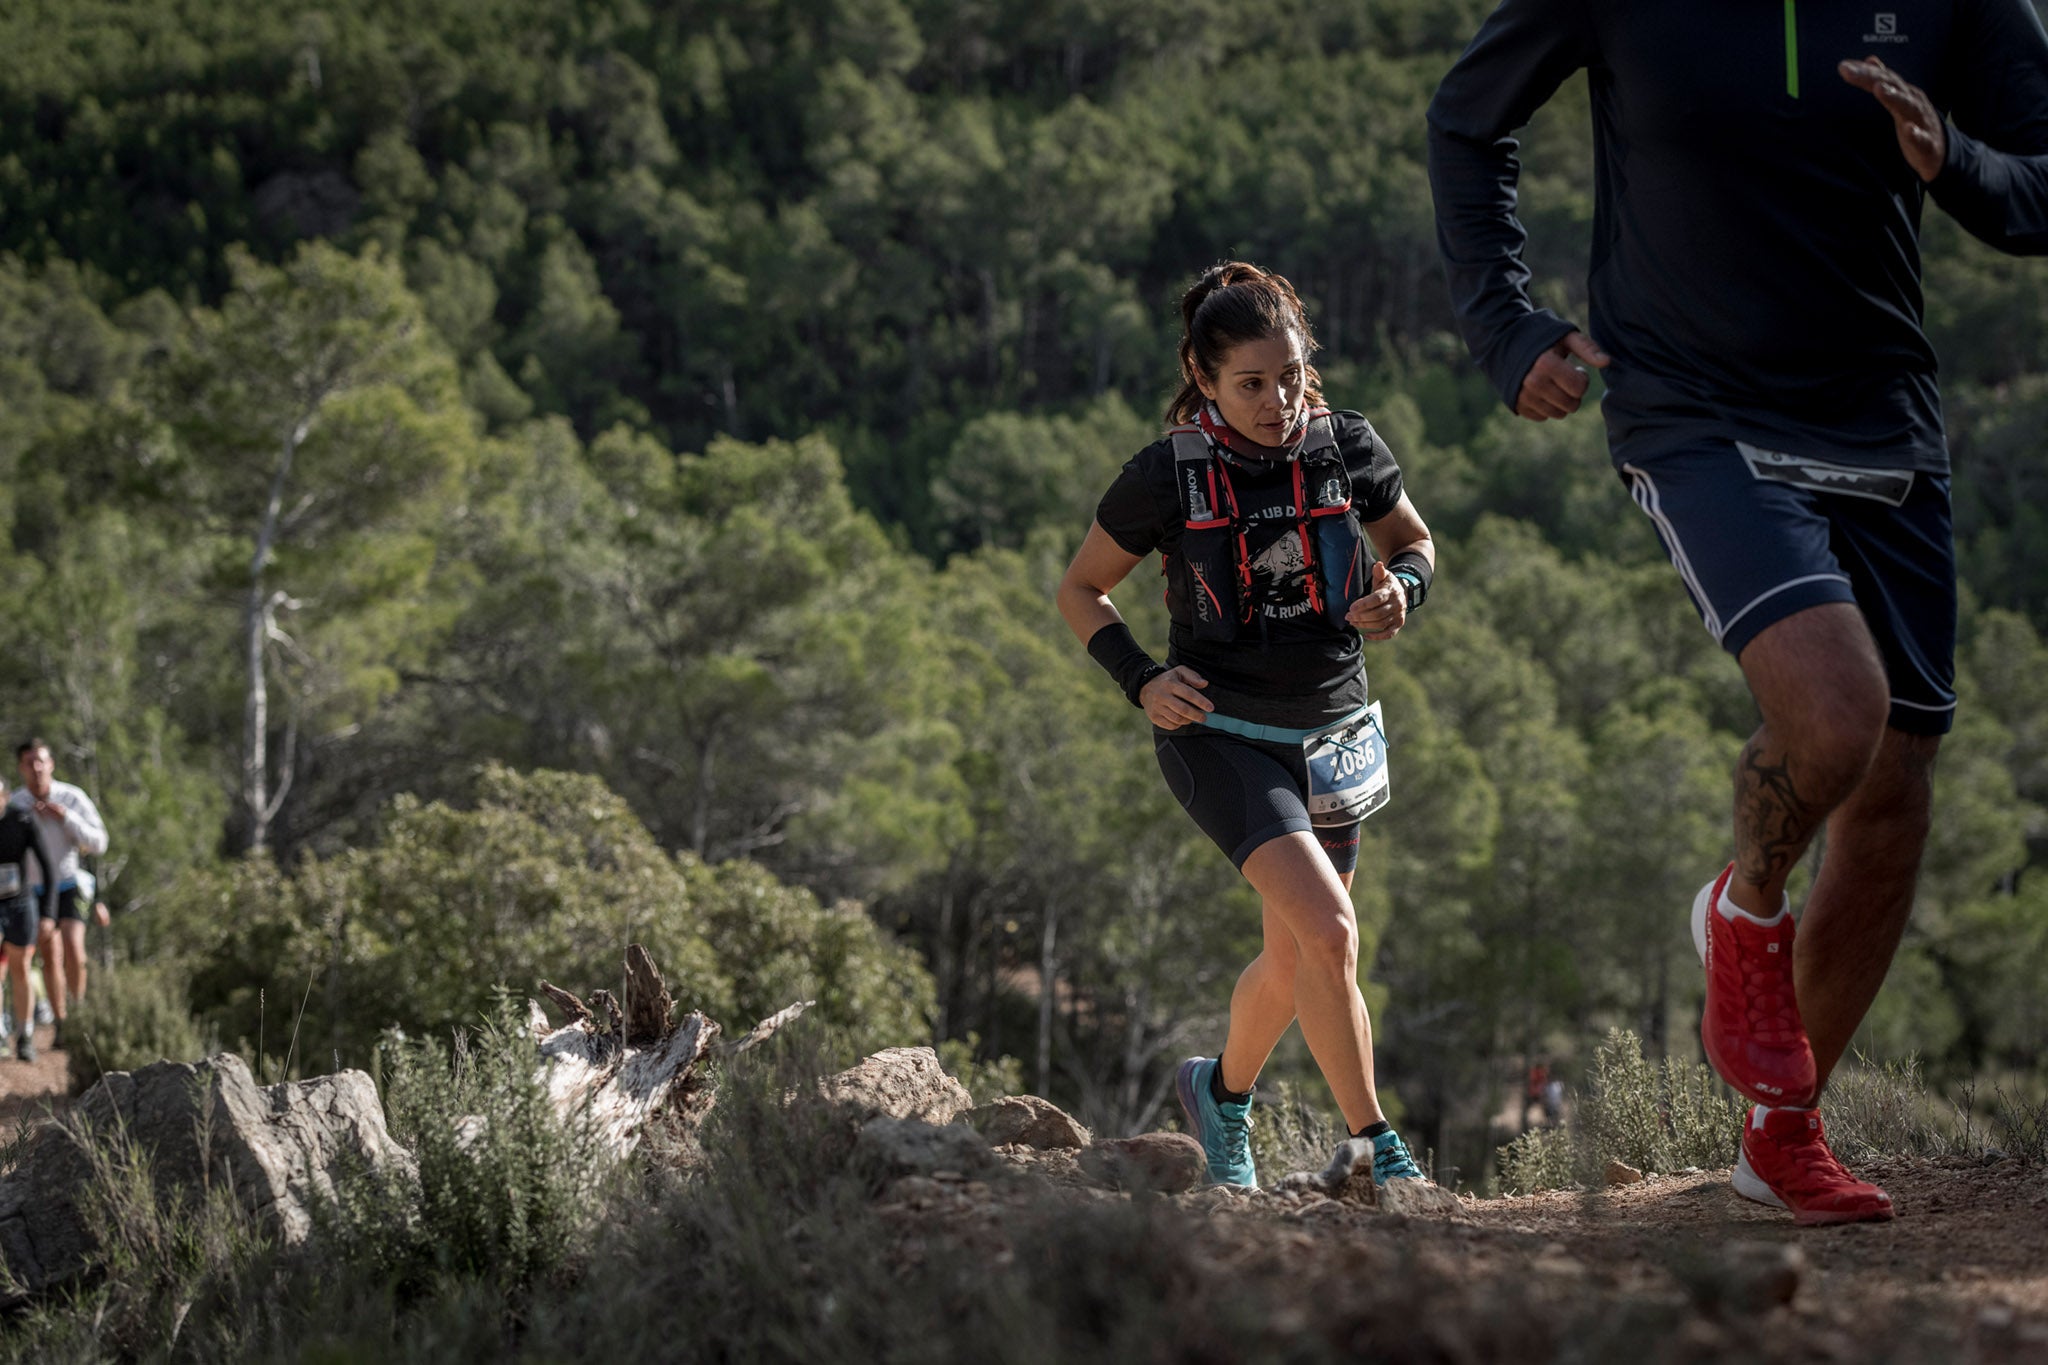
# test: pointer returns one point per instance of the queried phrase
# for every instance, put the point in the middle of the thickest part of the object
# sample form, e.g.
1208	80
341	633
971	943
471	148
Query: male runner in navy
1771	404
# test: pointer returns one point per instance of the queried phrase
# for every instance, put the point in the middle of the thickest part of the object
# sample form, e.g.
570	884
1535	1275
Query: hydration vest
1218	569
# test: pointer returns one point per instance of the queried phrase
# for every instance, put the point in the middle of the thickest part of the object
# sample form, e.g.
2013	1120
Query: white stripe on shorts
1766	596
1645	492
1922	706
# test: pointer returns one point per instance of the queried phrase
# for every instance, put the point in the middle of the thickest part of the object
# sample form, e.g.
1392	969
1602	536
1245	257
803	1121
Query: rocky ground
1675	1268
1148	1263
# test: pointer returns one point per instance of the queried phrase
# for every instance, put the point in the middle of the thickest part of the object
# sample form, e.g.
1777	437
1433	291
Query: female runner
1267	510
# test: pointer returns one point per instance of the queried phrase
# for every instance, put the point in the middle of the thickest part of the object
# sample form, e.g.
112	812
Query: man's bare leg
1820	685
18	959
53	968
71	938
1857	912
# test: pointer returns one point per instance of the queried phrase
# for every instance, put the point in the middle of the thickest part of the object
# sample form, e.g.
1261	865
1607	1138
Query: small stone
1028	1121
1995	1317
1166	1163
1621	1173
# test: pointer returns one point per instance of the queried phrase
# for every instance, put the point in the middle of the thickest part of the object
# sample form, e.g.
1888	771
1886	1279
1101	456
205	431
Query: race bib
10	881
1347	769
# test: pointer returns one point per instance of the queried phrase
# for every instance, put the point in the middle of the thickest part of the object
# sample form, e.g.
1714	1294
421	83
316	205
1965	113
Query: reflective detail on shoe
1224	1130
1750	1027
1786	1163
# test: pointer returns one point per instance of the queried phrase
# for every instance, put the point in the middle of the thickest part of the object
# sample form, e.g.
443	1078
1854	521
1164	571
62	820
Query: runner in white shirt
70	825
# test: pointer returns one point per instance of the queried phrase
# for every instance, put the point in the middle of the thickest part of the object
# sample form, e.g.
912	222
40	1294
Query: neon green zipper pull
1792	48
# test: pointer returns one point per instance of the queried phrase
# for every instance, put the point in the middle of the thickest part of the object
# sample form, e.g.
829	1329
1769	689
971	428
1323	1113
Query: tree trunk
256	627
1047	974
700	818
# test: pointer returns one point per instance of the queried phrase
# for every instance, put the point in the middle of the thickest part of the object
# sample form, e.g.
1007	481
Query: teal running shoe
1391	1160
1224	1130
1399	1186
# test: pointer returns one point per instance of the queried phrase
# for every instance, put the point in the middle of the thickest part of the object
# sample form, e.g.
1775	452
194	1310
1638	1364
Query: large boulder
899	1083
205	1125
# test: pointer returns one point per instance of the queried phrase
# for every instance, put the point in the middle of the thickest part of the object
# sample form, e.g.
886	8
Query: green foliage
1656	1117
1538	1160
504	1189
136	1013
547	876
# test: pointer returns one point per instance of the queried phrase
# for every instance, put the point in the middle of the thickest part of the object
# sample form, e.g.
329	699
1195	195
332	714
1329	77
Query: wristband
1415	572
1124	659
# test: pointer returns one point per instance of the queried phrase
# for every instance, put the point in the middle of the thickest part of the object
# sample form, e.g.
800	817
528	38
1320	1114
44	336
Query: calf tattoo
1773	822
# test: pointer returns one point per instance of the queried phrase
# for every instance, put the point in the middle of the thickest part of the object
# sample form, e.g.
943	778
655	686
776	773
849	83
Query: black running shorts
69	905
1245	792
18	921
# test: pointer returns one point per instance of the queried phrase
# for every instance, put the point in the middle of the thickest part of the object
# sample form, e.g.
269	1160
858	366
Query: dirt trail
1682	1268
30	1089
1676	1268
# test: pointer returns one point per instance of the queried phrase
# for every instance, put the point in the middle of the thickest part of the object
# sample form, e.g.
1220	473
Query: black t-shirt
1288	665
1756	258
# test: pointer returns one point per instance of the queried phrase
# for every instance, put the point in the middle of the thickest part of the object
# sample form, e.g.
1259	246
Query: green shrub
1657	1117
550	875
505	1188
135	1014
1540	1159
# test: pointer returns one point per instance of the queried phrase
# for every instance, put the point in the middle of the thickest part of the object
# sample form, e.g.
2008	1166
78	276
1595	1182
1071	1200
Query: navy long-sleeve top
1755	267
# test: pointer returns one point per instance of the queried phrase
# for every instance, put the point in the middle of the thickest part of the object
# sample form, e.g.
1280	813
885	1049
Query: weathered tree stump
611	1067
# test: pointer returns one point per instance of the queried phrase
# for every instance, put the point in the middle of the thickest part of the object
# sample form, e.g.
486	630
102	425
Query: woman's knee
1327	944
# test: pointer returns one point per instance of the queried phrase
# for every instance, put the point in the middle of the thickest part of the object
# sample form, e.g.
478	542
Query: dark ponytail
1234	302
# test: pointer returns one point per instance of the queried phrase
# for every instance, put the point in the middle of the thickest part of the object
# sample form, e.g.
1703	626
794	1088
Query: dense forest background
486	480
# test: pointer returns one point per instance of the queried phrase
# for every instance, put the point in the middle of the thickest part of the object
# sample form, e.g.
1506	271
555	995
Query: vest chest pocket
1347	769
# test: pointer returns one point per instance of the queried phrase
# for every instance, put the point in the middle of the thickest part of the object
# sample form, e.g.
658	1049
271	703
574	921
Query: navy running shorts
1758	535
1246	792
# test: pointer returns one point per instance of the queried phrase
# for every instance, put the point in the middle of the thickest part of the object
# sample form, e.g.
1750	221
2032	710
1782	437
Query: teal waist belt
1275	734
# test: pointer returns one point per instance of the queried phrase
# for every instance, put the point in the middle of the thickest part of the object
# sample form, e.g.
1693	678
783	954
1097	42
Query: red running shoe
1786	1163
1751	1026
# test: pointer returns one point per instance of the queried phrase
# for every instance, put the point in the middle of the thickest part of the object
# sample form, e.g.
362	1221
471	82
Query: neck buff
1232	444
